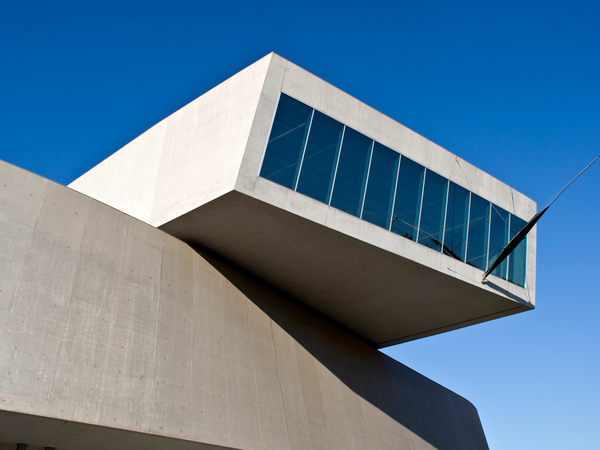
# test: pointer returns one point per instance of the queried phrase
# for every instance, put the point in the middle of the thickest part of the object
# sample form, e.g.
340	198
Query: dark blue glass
286	142
317	168
457	218
405	220
351	176
381	186
499	232
433	211
517	259
319	157
479	226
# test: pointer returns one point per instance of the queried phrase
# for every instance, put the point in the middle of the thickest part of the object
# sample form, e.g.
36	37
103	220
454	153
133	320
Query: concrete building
225	279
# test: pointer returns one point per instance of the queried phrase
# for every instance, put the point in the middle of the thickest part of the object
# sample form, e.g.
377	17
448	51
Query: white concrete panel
173	368
41	300
132	170
188	159
21	197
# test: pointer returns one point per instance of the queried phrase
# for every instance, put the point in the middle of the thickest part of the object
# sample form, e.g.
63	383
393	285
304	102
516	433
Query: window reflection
351	176
317	167
381	186
517	259
431	226
408	199
286	142
499	232
457	218
479	223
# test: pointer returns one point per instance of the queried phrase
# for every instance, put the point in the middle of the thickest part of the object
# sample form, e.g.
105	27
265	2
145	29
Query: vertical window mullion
421	205
525	263
337	162
445	214
509	238
489	234
264	154
303	151
366	181
394	191
468	226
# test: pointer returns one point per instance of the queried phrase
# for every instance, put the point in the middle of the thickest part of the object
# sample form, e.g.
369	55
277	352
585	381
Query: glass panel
517	259
479	224
498	239
316	172
455	238
408	199
431	226
381	186
338	176
286	142
351	176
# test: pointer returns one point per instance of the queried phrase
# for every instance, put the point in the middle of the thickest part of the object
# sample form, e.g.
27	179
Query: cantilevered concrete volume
200	175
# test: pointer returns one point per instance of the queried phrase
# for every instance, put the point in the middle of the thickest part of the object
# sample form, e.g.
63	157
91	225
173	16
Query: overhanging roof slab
381	296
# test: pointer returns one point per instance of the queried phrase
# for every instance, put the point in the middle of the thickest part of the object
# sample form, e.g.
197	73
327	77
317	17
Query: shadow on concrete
437	415
503	291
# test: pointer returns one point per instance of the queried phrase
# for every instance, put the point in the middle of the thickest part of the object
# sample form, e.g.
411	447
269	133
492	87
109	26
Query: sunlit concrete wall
115	332
191	157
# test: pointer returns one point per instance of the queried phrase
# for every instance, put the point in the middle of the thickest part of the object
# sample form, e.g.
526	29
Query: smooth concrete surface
382	297
114	333
191	157
40	433
211	150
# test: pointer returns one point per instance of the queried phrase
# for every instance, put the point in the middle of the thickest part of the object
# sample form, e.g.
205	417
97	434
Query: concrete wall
191	157
115	334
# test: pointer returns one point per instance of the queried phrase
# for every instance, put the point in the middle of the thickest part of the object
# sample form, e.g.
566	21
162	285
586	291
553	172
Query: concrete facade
116	334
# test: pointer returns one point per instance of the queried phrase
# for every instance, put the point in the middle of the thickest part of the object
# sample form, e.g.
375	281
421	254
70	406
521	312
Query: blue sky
512	87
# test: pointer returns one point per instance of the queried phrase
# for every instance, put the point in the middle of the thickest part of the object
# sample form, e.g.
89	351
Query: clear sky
512	87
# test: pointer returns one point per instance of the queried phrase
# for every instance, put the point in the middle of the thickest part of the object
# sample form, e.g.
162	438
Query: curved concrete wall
113	332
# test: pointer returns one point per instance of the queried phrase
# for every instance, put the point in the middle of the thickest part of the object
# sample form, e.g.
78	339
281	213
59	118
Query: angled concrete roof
195	175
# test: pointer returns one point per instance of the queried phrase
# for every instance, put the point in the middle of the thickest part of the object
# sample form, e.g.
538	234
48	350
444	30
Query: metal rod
528	226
